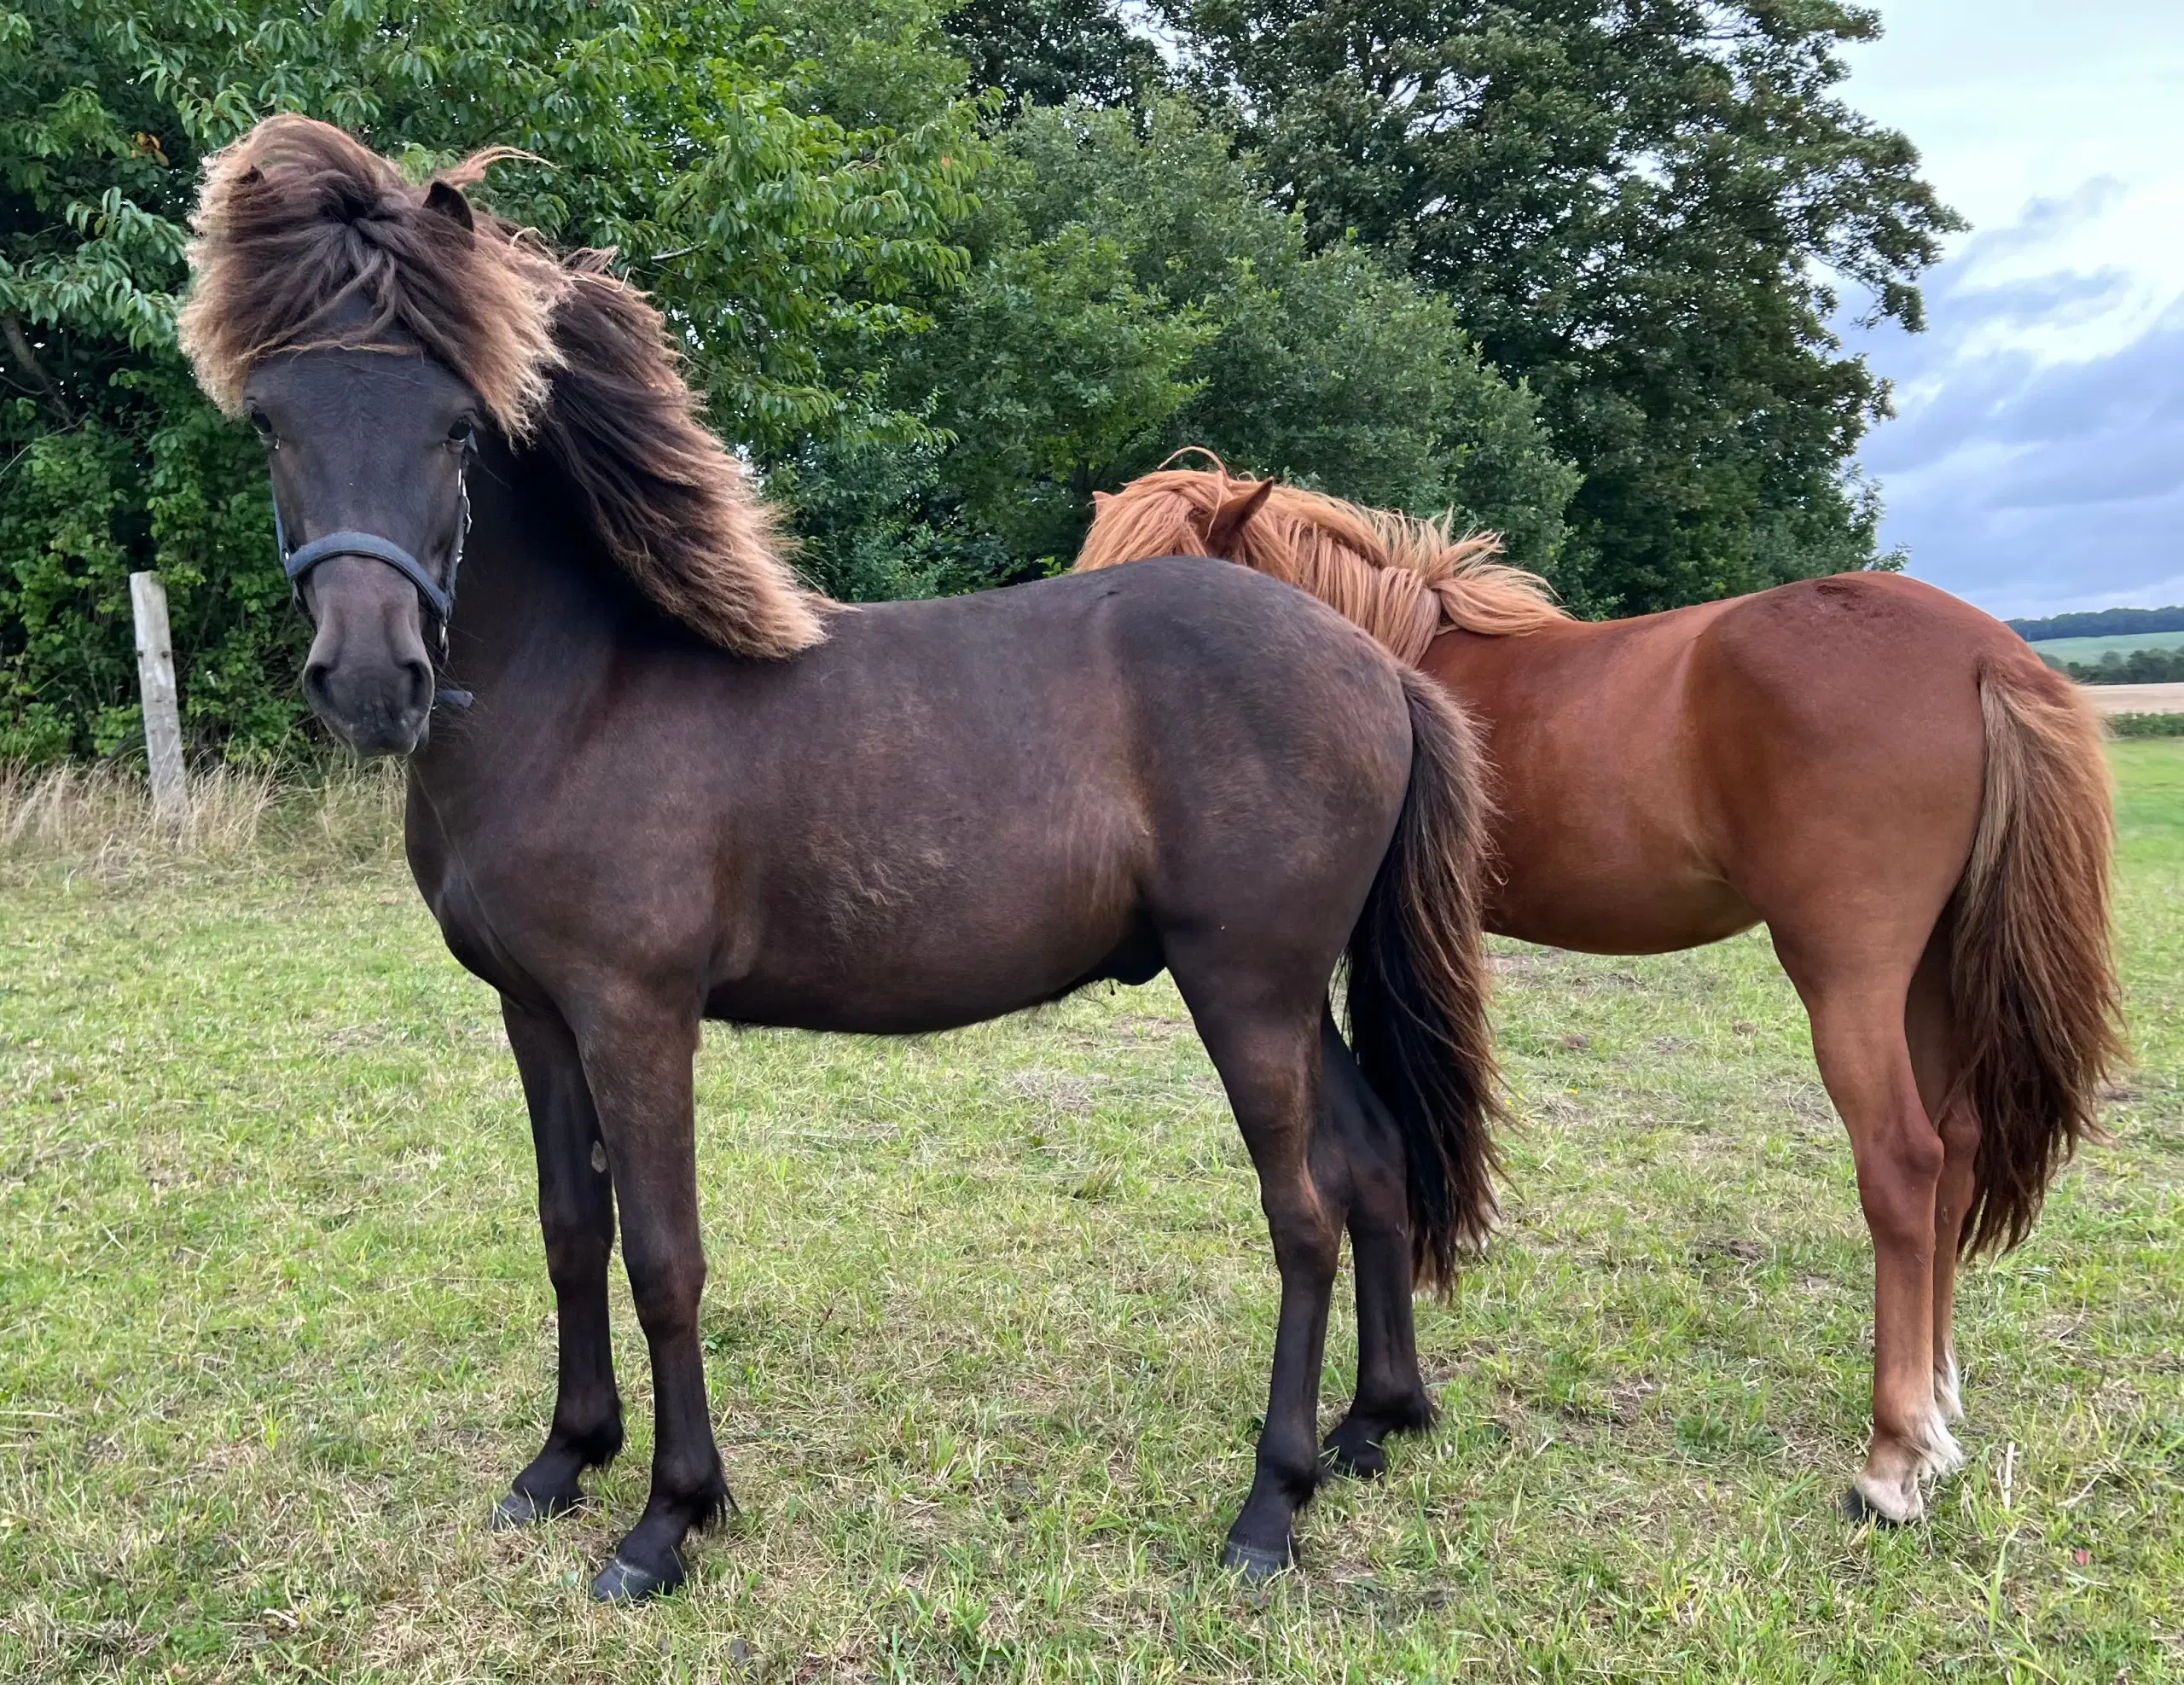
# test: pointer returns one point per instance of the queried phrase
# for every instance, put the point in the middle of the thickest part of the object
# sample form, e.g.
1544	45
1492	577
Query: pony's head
372	330
1402	579
368	327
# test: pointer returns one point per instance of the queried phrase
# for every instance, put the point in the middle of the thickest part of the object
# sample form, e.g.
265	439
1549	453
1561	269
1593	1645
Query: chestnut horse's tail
1418	988
2032	981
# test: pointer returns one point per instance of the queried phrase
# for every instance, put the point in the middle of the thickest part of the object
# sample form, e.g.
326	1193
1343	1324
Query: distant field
2092	648
2134	699
987	1332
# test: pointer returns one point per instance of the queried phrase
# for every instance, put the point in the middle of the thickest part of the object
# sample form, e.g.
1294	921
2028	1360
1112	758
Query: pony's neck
542	612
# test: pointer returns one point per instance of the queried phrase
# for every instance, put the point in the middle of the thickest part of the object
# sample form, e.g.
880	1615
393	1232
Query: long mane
297	222
1404	580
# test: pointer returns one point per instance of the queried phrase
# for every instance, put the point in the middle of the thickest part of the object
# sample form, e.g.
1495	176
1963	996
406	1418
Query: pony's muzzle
386	717
368	677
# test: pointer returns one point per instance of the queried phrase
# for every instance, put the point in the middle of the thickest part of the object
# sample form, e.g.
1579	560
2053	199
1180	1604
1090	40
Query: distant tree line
2141	666
1564	268
2099	623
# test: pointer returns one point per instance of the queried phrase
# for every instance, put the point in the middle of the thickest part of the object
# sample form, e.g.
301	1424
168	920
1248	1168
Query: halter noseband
439	599
299	562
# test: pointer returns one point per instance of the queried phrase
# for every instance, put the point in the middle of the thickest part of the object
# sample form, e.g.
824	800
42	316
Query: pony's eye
463	433
261	425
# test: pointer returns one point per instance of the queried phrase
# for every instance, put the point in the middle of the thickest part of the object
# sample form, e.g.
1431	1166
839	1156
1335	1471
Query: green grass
988	1326
2092	649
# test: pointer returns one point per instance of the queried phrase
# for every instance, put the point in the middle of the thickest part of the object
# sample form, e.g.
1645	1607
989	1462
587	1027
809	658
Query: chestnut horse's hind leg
638	1056
1391	1396
575	1213
1937	1058
1269	1062
1858	1038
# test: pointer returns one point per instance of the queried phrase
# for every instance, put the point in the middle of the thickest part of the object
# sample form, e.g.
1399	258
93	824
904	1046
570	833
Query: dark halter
440	600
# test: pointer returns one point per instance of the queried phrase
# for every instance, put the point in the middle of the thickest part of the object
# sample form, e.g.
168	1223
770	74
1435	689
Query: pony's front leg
638	1058
576	1215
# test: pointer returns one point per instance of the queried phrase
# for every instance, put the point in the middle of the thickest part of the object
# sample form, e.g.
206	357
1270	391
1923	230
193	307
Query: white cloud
2038	461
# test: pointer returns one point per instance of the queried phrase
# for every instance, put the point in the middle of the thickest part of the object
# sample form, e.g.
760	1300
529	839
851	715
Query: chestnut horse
681	787
1916	808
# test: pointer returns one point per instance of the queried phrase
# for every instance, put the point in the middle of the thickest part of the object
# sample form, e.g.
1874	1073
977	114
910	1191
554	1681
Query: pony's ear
1100	500
1235	512
449	202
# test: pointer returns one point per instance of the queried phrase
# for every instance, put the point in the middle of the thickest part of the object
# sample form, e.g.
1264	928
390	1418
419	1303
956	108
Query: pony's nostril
419	675
315	686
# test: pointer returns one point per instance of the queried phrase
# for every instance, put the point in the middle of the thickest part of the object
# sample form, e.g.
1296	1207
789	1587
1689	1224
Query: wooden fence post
162	718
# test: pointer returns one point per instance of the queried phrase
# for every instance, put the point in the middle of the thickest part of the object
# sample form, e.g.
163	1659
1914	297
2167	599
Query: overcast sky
2036	464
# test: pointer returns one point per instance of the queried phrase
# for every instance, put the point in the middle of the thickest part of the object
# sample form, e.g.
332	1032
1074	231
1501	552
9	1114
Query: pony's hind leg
1391	1396
1930	1025
576	1215
1858	1039
1269	1062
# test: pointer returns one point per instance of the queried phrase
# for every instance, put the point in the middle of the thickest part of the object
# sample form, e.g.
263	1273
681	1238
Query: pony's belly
915	986
1599	917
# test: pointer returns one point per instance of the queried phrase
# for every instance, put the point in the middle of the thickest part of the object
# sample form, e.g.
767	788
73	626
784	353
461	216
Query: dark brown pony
687	788
1916	808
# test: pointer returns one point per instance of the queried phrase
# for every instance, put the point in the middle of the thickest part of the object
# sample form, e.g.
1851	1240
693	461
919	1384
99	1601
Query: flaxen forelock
296	220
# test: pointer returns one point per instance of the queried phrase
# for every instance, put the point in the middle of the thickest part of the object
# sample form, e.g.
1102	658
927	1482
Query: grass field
988	1326
2090	650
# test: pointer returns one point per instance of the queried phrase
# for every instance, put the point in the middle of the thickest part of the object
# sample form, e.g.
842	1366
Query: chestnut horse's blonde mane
307	240
1404	580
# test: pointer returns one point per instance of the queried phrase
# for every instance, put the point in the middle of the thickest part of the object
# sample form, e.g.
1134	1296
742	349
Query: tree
1050	52
1644	208
788	247
1132	292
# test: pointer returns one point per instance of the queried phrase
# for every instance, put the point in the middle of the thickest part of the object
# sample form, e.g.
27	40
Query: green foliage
1132	293
790	232
1050	52
1637	206
1522	238
2145	725
2099	623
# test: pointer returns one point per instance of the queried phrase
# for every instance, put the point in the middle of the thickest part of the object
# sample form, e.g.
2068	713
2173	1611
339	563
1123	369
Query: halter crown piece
439	599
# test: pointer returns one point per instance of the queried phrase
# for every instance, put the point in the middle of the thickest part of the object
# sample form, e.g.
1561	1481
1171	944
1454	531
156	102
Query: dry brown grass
100	818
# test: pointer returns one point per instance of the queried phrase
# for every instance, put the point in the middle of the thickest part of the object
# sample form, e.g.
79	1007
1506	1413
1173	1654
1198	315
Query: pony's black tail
1418	988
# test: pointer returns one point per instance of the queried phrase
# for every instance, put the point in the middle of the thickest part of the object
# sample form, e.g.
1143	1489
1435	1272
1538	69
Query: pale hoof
1867	1501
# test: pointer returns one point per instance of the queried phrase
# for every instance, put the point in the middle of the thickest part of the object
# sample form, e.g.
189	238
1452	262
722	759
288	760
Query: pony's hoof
521	1509
1360	1459
1258	1567
624	1582
1860	1508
